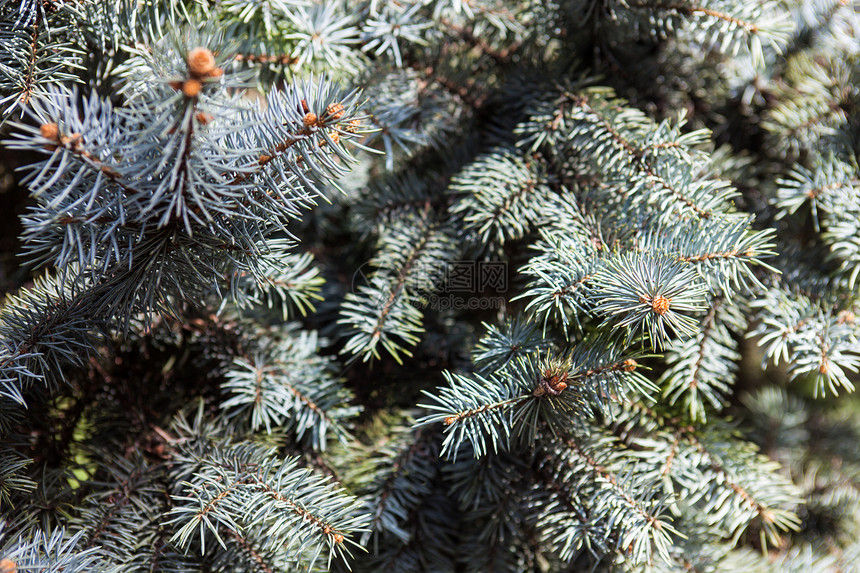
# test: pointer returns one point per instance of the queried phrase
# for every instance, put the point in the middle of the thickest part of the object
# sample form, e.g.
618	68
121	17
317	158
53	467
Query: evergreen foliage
431	285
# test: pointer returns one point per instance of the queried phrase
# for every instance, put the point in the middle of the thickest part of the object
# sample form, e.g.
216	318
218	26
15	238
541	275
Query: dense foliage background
429	285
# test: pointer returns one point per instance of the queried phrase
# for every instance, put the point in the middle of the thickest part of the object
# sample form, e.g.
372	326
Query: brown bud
335	136
845	317
353	125
203	118
191	88
216	73
8	566
177	85
201	62
629	365
73	140
50	131
338	538
310	119
334	111
823	368
660	305
553	382
450	420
